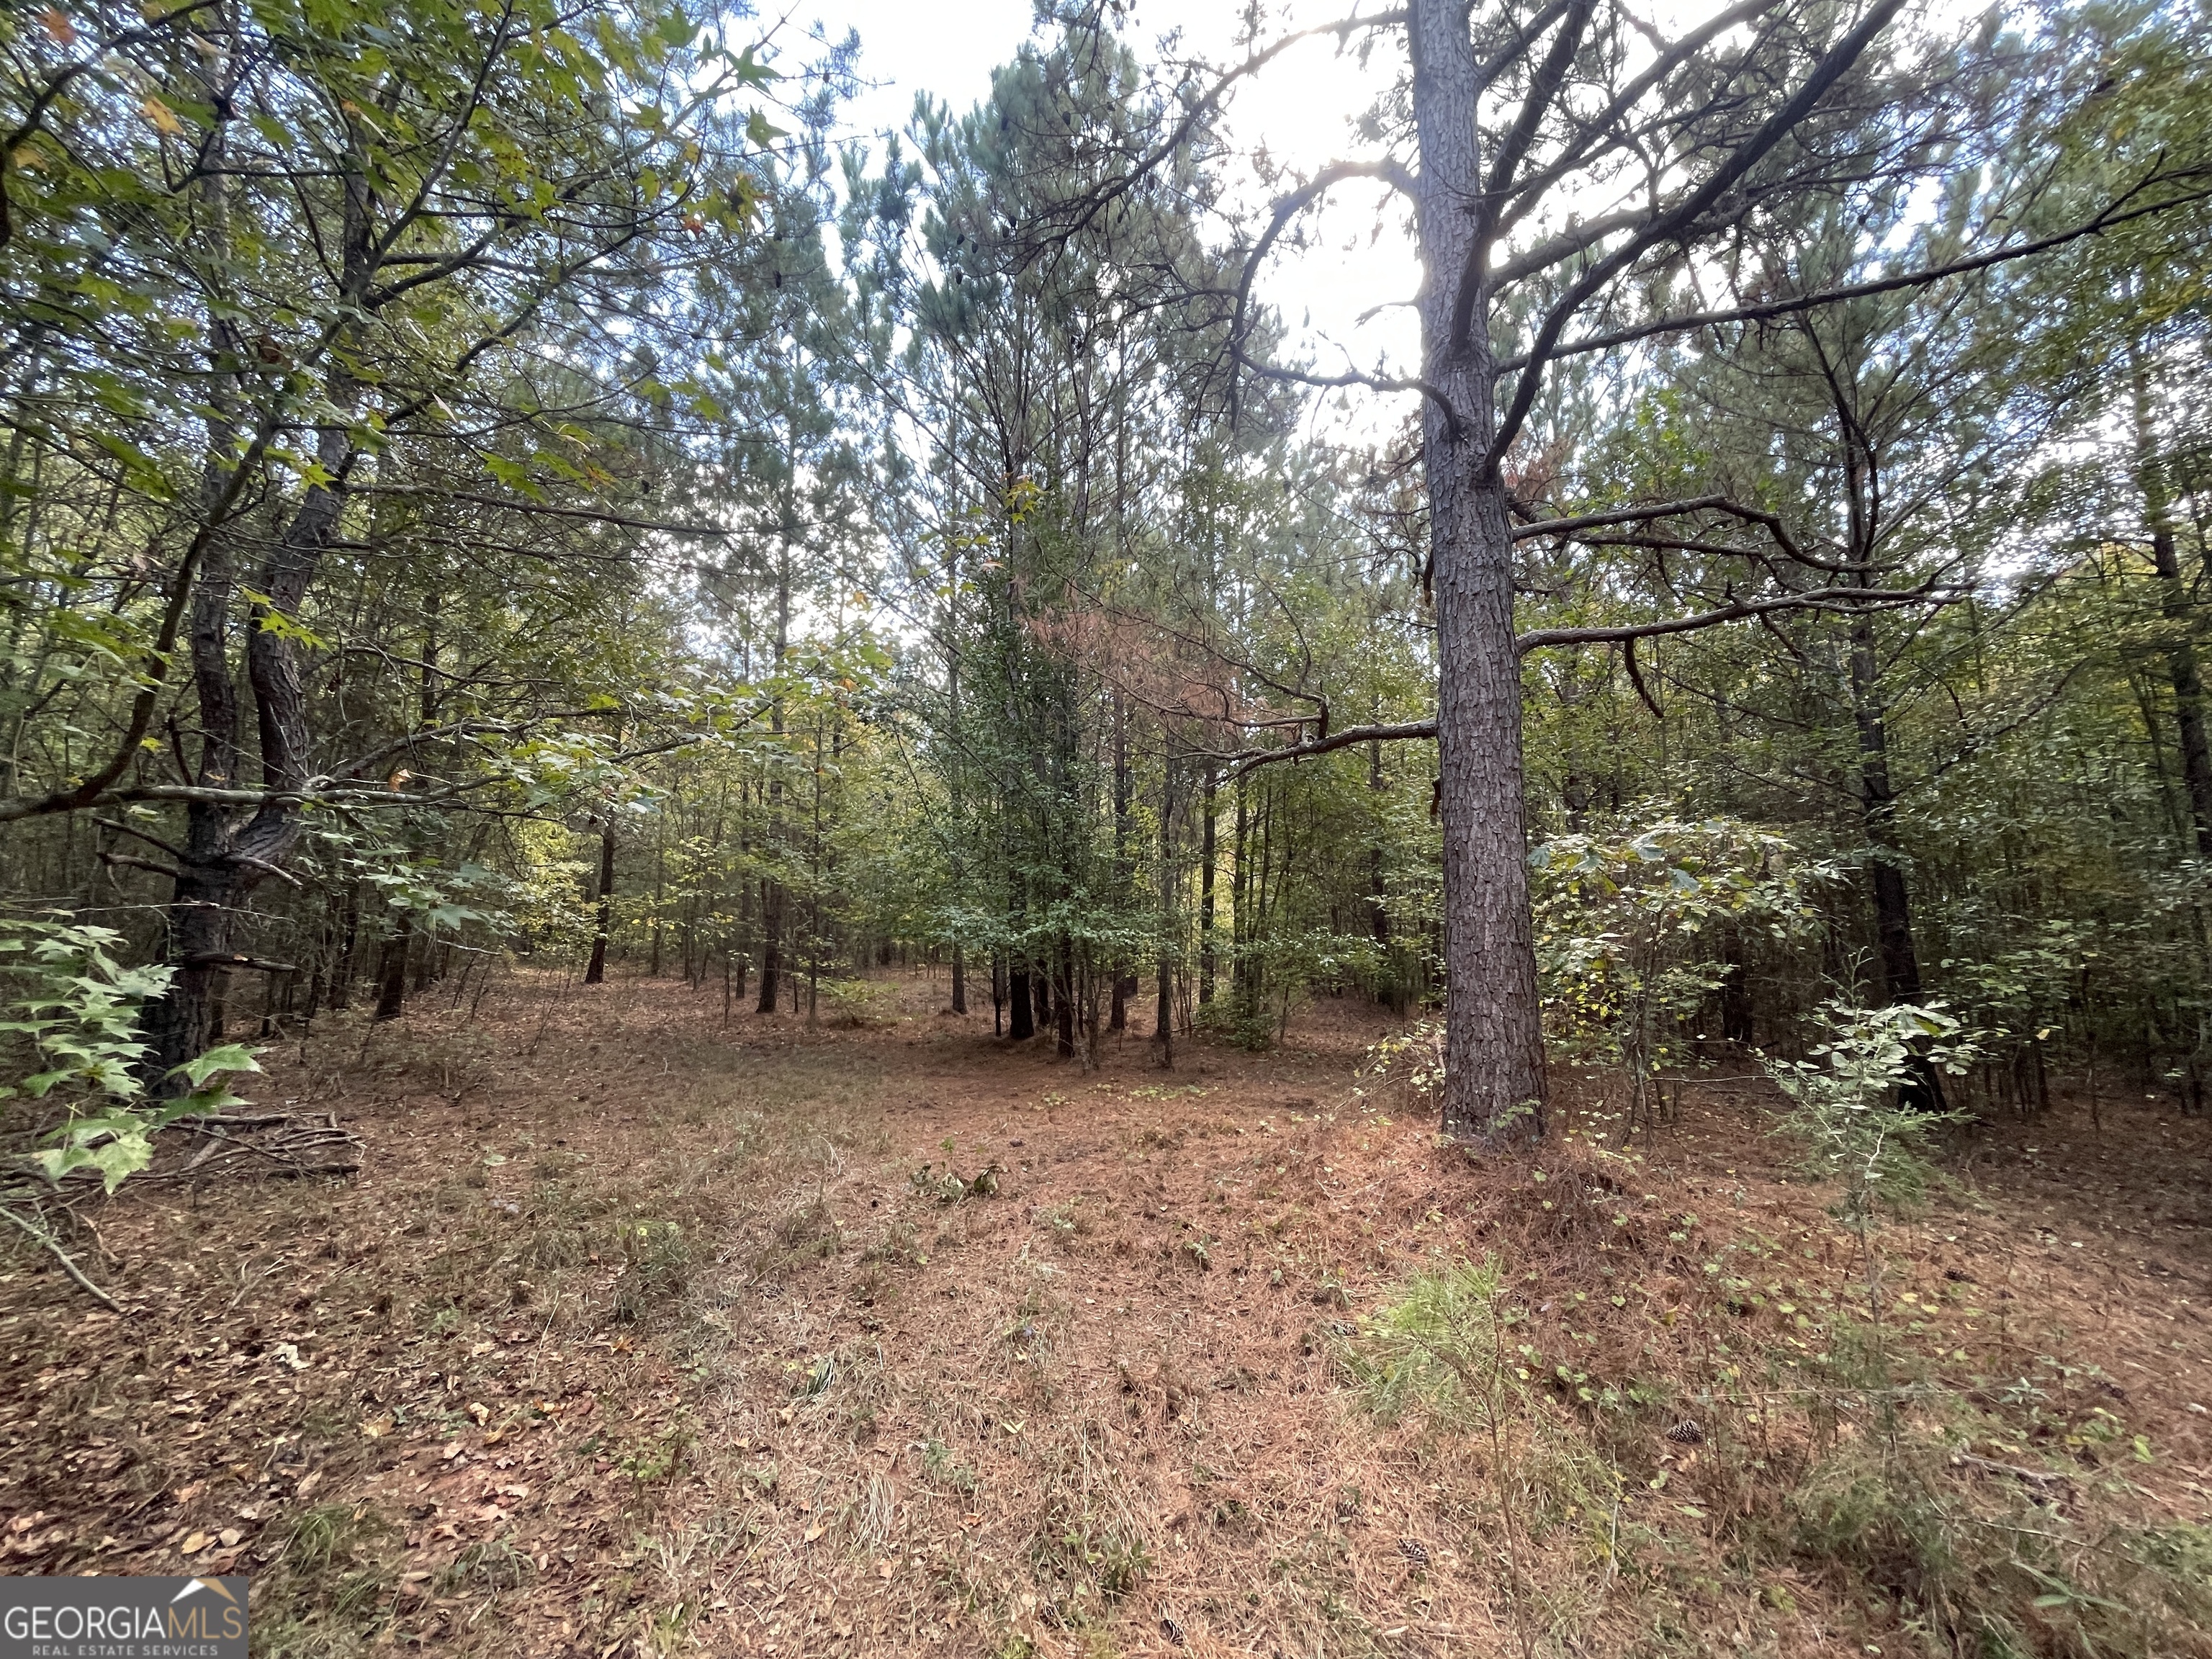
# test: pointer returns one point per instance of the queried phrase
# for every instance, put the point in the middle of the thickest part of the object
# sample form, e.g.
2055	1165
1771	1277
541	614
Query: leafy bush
78	1023
1851	1105
860	1004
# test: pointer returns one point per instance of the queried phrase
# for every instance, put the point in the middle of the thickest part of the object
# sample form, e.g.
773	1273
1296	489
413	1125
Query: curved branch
1826	598
1287	209
1114	189
1767	310
1353	377
1734	509
1345	738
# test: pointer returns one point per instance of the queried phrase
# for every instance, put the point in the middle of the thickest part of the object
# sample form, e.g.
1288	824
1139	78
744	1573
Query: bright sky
1300	108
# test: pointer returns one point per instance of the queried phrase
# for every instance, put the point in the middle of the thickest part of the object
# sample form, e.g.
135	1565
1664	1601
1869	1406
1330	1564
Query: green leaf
230	1057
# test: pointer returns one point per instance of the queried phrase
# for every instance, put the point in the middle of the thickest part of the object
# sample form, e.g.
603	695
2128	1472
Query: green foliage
1436	1347
1629	928
79	1012
1852	1104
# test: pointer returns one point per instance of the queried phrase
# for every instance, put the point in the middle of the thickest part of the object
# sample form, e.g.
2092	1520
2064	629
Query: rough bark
225	858
1493	1045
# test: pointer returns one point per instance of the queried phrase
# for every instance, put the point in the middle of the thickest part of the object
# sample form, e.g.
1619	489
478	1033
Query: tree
257	260
1572	175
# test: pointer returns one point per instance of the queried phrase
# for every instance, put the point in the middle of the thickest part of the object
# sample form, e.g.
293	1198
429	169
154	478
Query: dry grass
636	1333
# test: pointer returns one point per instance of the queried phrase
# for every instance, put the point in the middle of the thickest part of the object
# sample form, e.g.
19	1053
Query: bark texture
1493	1049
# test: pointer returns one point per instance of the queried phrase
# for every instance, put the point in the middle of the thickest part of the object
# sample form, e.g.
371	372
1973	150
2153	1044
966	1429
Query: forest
766	888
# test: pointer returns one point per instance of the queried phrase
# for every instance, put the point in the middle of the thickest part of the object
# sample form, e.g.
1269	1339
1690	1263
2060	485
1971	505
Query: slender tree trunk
1493	1047
1892	903
341	990
659	892
1388	992
391	970
772	905
1063	998
1163	1007
1210	810
1118	1017
2175	605
597	972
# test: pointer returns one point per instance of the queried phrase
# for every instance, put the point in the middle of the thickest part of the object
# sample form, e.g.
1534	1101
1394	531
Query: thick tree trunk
595	972
225	860
1020	1026
1493	1045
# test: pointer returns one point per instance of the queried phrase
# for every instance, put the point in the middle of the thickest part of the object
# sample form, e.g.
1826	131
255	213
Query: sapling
1852	1108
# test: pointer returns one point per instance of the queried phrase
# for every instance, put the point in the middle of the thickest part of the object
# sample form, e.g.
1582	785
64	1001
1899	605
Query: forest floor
638	1332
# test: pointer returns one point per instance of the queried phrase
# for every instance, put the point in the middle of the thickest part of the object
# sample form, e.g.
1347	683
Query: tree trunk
1063	1000
1493	1044
1118	1019
1388	991
2174	605
391	970
225	860
597	972
1893	905
1210	809
959	979
1020	1026
771	947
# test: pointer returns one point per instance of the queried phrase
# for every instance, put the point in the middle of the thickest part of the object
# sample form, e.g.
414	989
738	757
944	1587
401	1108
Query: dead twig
69	1265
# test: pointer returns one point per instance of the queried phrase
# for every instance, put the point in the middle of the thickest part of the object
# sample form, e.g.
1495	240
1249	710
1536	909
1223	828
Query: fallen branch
69	1266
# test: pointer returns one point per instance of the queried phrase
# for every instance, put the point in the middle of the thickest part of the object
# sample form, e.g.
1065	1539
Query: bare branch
1664	226
1767	310
1335	740
1354	377
1826	599
1288	208
1199	108
506	504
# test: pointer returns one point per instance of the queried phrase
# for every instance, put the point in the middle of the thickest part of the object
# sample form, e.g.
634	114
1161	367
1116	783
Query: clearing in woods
640	1332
